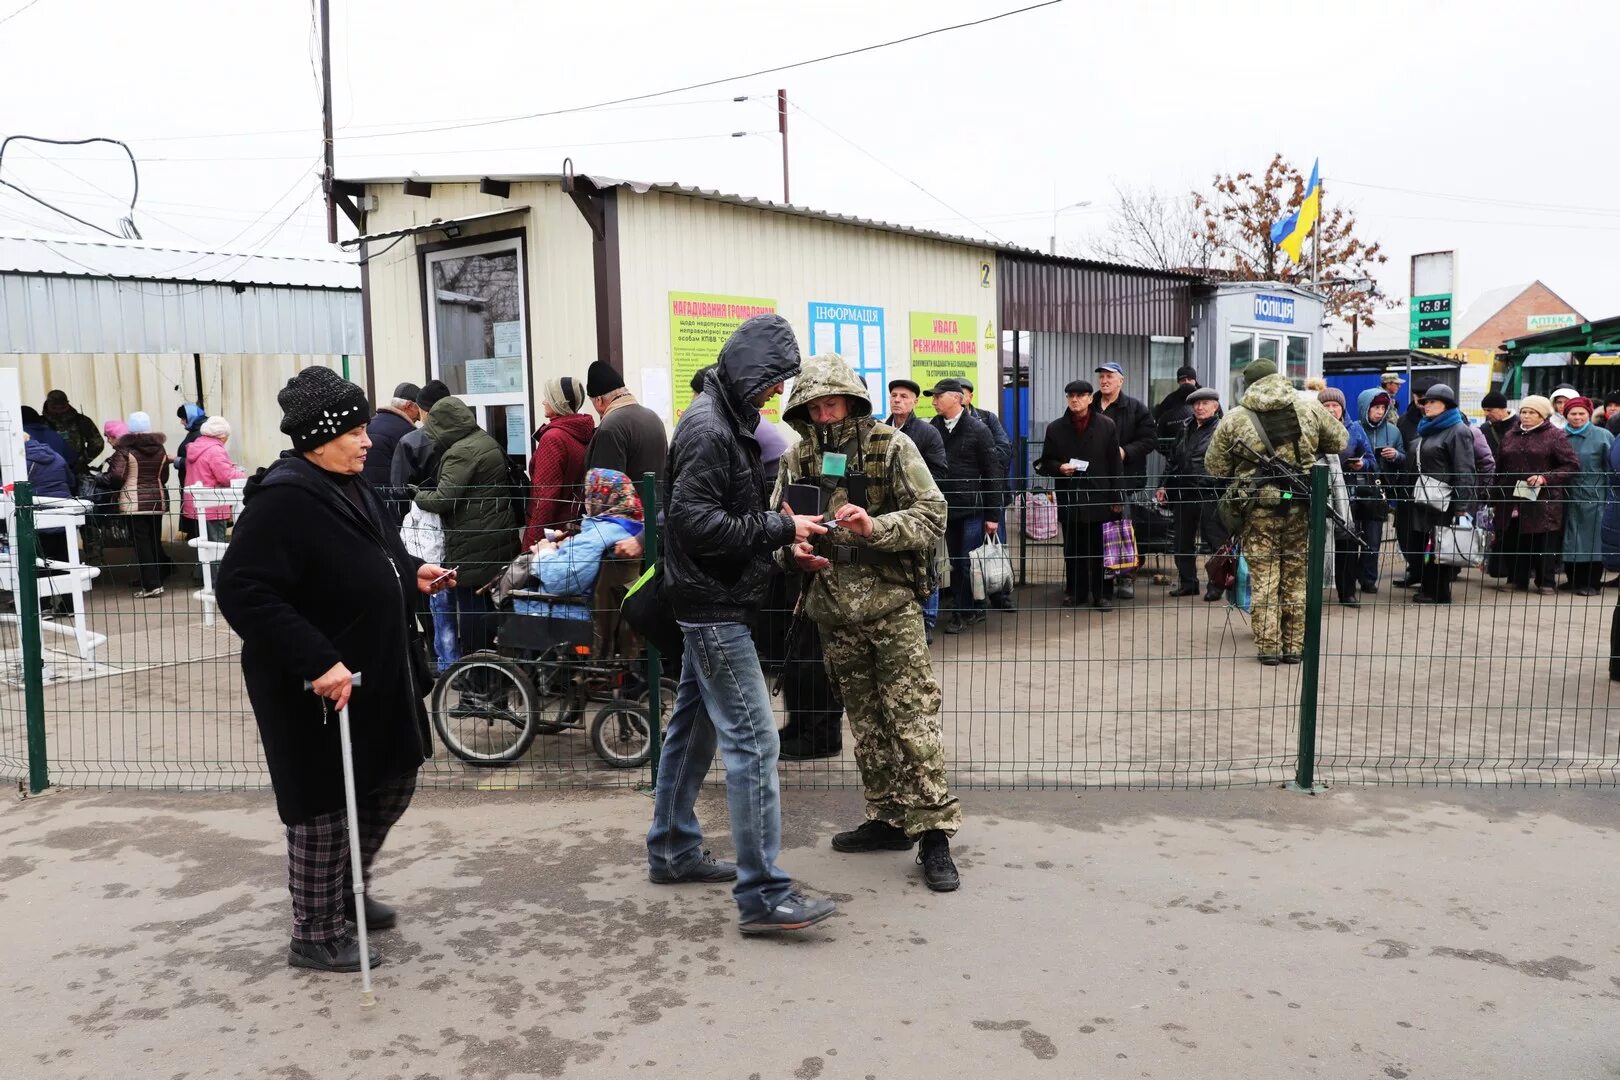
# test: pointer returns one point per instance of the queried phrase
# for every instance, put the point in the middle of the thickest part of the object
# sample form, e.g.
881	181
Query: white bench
209	551
70	579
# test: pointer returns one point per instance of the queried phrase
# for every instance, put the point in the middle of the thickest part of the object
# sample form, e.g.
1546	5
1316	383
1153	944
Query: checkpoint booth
1236	323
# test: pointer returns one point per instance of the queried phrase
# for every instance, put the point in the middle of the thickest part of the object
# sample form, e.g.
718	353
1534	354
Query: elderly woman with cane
318	585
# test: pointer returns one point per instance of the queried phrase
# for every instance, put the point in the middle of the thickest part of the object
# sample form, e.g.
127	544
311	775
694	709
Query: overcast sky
1476	126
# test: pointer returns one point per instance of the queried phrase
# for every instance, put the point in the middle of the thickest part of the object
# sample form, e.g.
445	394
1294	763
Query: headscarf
564	395
610	495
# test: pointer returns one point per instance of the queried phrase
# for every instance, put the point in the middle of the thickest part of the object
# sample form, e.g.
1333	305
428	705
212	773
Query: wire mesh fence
1161	686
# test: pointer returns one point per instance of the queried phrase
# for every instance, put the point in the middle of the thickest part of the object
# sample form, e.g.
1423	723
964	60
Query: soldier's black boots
939	869
872	836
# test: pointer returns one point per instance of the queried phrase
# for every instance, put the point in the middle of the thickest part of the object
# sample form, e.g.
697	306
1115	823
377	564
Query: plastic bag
1119	548
1040	515
990	568
1240	594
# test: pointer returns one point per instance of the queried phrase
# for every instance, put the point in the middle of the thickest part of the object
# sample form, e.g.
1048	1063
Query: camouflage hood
1270	394
823	376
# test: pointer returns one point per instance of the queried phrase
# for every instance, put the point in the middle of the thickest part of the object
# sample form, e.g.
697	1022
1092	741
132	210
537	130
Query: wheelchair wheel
483	709
620	735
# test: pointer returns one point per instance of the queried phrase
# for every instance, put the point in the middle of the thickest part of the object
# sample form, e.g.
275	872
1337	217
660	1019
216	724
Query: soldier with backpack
473	498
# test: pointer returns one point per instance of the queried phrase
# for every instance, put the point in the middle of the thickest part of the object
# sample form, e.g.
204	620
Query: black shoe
379	916
1211	595
792	912
1124	589
706	871
939	869
1370	590
1400	583
1072	601
340	955
1104	604
872	836
794	749
1003	602
1586	590
1350	601
1291	658
955	625
1270	659
977	617
1612	583
1566	586
1184	590
1423	598
472	704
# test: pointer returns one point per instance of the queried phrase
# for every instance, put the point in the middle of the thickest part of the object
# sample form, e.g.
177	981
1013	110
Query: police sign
1273	309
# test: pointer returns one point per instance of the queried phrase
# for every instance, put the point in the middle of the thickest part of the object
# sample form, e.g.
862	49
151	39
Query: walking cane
367	999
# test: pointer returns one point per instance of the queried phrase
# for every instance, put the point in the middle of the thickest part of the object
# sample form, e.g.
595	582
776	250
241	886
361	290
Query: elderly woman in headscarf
1583	499
558	464
569	567
320	589
1538	456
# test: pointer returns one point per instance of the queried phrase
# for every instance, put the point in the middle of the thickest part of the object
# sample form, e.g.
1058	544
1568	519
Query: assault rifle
1293	482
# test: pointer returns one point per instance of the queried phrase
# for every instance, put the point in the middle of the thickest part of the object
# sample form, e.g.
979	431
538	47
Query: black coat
975	476
630	439
1172	415
311	579
718	534
385	429
1093	494
1185	479
1447	456
1138	435
929	443
416	462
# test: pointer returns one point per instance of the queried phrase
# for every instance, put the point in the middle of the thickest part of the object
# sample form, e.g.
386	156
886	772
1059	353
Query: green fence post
1315	553
33	649
346	367
655	663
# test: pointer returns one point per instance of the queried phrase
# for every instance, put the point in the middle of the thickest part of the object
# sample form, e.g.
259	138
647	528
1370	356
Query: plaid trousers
318	858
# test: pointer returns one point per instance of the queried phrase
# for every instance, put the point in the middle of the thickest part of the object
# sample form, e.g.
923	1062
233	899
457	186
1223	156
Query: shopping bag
1119	548
1240	594
1222	567
990	567
1460	544
1040	515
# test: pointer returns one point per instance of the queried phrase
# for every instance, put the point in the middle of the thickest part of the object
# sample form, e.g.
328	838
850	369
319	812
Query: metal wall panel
68	315
1078	298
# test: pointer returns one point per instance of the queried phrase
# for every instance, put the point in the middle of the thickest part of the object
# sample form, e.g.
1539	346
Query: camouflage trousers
1274	546
886	677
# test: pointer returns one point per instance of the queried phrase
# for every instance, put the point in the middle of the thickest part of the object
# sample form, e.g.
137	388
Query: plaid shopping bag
1119	548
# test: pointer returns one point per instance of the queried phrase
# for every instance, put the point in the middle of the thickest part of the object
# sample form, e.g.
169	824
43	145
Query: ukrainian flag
1290	233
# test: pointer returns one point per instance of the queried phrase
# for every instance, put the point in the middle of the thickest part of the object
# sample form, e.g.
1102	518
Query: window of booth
1299	357
1290	352
1165	355
1239	355
478	341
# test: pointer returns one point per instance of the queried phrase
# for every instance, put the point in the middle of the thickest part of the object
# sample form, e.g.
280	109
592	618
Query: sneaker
939	869
1124	589
379	916
793	912
706	871
343	954
147	594
872	836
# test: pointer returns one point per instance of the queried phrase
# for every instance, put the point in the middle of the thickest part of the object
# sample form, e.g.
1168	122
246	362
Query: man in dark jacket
392	423
1412	540
1133	424
472	500
78	430
719	541
974	482
1193	494
37	430
1173	412
630	438
903	395
1001	601
416	455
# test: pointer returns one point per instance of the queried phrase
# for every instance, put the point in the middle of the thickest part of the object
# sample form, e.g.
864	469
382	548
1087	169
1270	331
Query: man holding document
1081	453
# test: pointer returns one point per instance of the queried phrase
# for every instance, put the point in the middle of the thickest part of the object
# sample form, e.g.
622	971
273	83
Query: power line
1518	204
104	191
800	109
57	209
735	78
18	12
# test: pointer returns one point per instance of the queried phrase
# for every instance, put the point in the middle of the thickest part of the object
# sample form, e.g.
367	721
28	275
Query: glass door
477	329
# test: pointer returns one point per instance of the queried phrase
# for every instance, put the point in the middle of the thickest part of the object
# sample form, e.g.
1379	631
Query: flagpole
1316	233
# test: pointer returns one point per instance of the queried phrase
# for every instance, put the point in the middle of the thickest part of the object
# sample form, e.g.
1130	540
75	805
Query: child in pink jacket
208	464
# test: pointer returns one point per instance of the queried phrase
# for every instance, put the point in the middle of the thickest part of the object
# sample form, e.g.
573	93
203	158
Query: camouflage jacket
1300	429
908	512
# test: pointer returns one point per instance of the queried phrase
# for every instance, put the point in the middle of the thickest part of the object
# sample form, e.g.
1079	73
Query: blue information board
855	332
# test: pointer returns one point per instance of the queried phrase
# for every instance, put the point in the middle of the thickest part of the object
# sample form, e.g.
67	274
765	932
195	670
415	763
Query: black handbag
647	611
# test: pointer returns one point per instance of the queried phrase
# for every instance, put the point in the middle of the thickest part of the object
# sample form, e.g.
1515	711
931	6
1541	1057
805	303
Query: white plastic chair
209	551
70	579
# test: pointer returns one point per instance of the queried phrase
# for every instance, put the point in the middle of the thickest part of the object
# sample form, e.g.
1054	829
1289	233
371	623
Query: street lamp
1059	210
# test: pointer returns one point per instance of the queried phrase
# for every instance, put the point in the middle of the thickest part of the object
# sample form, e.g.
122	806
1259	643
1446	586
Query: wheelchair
545	676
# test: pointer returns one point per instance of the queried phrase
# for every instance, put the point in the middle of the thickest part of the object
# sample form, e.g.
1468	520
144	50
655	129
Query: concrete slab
1377	933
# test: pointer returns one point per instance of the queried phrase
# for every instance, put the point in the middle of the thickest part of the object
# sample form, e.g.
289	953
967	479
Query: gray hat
1441	392
945	386
1206	393
407	391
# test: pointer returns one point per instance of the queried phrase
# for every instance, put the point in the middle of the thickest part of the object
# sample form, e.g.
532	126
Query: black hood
759	354
291	468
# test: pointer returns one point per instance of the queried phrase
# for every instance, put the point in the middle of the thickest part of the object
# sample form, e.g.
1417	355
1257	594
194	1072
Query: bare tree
1151	228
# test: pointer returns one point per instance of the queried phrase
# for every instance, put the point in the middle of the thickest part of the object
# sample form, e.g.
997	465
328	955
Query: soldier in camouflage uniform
868	575
1275	537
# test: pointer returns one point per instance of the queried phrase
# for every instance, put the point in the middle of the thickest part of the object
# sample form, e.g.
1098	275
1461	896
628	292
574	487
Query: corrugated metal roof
643	187
132	260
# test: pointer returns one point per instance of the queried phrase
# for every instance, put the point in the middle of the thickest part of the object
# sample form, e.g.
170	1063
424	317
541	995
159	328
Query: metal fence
1501	685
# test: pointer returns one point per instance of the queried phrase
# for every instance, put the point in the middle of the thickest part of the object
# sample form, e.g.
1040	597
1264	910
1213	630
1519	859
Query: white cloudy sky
1476	126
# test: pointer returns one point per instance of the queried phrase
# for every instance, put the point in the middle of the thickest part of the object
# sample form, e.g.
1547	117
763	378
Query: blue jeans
444	630
963	536
930	610
721	700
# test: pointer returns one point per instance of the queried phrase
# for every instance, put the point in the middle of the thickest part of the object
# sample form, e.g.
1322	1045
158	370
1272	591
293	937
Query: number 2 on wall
984	274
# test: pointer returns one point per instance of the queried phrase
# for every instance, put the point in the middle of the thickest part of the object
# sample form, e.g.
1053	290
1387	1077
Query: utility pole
326	119
781	125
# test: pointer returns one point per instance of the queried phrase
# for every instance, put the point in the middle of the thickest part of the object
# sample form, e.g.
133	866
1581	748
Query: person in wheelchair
569	566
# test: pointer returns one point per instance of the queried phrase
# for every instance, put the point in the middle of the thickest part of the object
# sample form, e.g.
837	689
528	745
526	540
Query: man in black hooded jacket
719	538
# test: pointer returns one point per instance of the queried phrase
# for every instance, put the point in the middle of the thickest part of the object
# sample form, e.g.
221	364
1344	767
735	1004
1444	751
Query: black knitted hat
318	405
601	379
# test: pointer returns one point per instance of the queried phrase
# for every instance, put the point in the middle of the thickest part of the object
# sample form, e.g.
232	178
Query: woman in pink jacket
209	464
